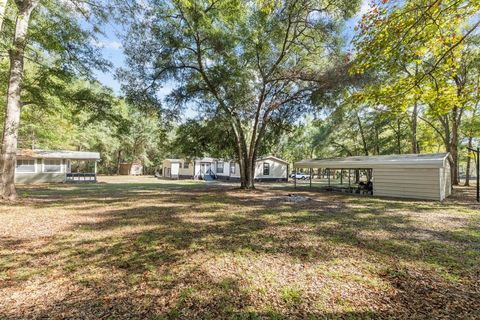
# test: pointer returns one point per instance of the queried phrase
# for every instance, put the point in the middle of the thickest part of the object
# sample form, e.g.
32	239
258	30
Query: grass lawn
142	248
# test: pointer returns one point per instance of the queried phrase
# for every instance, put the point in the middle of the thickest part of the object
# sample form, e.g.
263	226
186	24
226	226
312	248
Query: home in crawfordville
268	168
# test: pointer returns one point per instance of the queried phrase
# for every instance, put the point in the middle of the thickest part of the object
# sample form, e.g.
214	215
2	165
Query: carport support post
295	178
477	151
328	175
310	177
349	179
478	171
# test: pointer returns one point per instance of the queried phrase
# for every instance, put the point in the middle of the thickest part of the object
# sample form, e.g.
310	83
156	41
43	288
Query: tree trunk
246	171
119	159
12	110
250	182
454	145
377	143
247	164
414	128
467	173
399	138
3	10
362	135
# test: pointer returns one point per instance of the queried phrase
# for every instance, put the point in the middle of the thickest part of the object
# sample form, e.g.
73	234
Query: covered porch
81	171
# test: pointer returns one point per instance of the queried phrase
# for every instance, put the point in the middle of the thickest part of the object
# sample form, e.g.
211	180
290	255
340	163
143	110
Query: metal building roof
430	160
273	158
58	154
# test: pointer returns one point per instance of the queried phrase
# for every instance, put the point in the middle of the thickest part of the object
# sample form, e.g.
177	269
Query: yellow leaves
266	6
185	3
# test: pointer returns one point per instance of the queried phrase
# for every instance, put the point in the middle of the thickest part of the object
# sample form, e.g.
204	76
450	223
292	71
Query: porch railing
75	177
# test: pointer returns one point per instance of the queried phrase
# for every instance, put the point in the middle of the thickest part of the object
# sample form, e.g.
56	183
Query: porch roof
58	154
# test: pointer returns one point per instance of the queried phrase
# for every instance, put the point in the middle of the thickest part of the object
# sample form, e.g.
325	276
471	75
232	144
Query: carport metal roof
430	160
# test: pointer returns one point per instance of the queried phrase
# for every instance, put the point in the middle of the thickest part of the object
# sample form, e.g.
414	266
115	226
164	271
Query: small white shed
418	176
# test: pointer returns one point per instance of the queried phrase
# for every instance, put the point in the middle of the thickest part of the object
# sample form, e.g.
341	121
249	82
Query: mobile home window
232	167
185	165
25	166
219	167
52	165
266	169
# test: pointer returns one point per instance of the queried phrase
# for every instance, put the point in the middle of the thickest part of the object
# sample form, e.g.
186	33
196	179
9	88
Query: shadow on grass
147	261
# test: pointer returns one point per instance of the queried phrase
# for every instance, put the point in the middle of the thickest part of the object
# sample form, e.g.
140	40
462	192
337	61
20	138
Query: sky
111	48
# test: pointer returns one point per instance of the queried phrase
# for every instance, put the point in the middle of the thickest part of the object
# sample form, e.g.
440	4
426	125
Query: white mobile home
40	166
420	176
267	169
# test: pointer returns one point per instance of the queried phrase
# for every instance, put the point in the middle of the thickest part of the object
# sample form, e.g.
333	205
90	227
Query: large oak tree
252	62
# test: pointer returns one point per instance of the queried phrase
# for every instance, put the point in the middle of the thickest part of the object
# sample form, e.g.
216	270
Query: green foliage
200	138
253	63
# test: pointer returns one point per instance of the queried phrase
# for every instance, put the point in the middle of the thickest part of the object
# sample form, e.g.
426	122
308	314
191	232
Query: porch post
478	174
95	170
328	175
349	179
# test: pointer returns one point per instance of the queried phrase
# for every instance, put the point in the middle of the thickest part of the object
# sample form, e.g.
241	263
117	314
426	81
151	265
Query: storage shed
130	169
419	176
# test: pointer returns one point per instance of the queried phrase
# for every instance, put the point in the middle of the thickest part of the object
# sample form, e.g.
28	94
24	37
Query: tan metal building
418	176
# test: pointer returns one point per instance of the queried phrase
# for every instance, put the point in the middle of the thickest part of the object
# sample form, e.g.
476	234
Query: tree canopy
253	63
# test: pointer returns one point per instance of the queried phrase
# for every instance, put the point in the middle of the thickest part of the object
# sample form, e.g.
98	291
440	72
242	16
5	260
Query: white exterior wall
166	167
422	183
278	170
174	169
226	168
170	169
237	171
445	181
185	171
197	168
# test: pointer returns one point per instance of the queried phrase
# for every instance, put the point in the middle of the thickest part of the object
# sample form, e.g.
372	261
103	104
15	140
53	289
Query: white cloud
365	7
106	44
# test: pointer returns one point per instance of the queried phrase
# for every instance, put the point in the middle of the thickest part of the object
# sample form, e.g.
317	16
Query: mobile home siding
185	172
174	168
278	171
